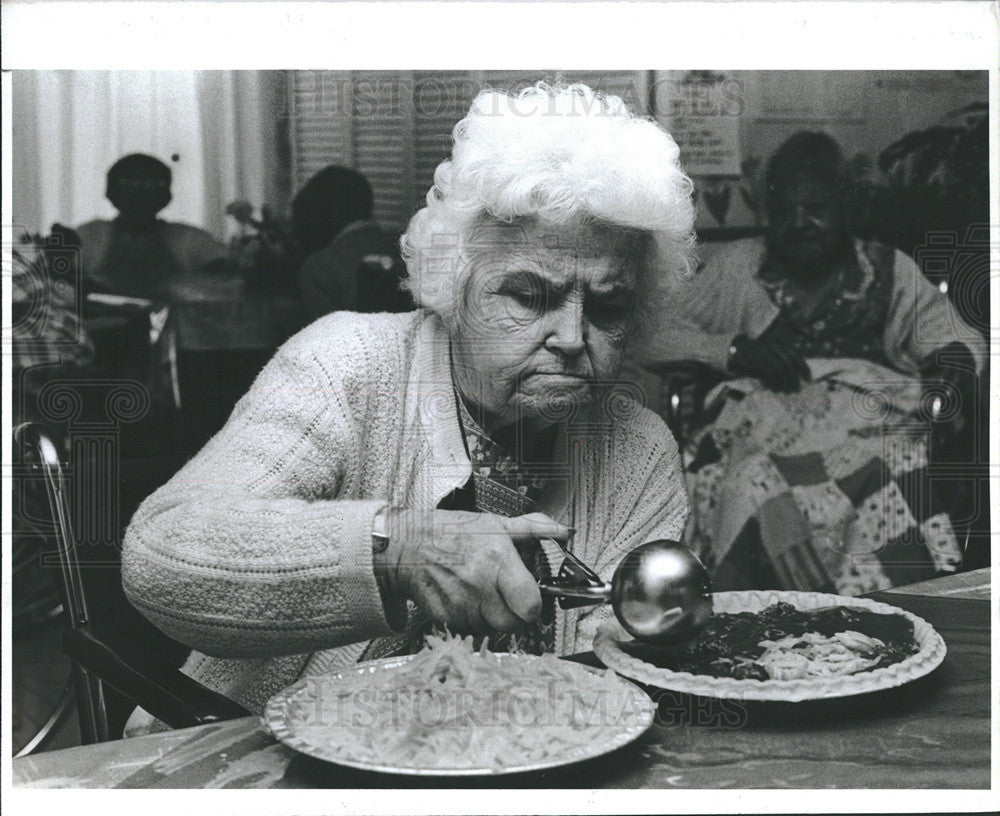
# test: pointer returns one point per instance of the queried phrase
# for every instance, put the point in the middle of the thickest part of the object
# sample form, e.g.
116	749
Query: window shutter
441	99
321	122
383	141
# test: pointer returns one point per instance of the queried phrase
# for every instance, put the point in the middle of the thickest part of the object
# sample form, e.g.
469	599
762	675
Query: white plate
931	653
290	716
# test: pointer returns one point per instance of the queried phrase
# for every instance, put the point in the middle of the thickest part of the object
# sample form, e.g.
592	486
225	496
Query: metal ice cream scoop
660	592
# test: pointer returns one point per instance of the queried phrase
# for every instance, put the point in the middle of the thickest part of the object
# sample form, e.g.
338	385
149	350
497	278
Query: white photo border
448	35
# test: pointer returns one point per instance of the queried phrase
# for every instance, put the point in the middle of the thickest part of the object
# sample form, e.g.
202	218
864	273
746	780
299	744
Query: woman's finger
518	589
792	361
769	365
497	615
789	371
801	366
534	526
462	615
435	607
770	372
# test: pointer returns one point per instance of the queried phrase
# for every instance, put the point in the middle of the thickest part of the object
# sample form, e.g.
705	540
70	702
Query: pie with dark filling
784	643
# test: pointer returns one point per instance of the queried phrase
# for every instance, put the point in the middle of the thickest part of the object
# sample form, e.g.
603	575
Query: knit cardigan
258	553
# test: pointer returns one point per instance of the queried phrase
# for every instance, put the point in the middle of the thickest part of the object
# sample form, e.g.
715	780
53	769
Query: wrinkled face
806	223
544	317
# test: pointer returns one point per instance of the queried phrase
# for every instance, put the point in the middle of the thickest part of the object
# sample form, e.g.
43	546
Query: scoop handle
577	584
580	595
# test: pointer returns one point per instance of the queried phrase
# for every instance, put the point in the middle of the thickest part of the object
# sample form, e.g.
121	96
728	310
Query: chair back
32	438
39	452
379	278
88	500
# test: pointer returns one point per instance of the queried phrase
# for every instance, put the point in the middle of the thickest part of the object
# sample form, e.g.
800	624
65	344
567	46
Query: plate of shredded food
455	711
783	646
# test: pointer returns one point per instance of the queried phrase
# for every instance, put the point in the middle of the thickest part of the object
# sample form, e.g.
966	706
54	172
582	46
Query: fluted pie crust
931	651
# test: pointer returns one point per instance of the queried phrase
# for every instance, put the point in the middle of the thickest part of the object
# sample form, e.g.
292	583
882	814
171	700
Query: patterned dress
849	321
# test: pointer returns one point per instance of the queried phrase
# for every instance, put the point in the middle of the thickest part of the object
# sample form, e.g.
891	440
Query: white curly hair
563	155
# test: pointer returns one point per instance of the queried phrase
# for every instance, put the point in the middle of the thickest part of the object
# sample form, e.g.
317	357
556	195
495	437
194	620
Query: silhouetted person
137	253
351	263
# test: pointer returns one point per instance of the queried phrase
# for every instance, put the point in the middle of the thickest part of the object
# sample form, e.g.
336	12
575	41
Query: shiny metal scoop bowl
660	593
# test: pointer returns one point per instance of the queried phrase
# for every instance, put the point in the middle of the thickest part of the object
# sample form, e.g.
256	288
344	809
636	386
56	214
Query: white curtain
217	130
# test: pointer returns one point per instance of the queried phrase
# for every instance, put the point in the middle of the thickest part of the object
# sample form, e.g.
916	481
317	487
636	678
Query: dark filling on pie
730	636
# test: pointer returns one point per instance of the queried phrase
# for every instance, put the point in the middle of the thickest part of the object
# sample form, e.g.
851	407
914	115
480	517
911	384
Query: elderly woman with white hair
387	474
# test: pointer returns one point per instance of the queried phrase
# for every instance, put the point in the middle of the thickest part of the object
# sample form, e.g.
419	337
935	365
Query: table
972	584
213	342
244	320
206	316
932	733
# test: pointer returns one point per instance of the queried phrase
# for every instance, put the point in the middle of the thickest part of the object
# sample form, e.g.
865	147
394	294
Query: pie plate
931	651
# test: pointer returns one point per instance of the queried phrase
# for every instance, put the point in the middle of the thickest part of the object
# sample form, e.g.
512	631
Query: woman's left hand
949	385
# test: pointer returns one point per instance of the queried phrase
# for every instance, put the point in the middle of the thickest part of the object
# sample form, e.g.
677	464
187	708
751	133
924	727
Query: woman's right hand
771	359
462	569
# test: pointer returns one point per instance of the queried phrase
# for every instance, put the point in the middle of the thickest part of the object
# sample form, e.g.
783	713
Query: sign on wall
703	110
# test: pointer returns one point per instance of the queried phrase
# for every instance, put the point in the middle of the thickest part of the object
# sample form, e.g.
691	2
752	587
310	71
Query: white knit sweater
257	554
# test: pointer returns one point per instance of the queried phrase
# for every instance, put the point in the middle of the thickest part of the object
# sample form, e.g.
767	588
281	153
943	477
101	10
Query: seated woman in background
350	264
138	254
813	473
391	473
